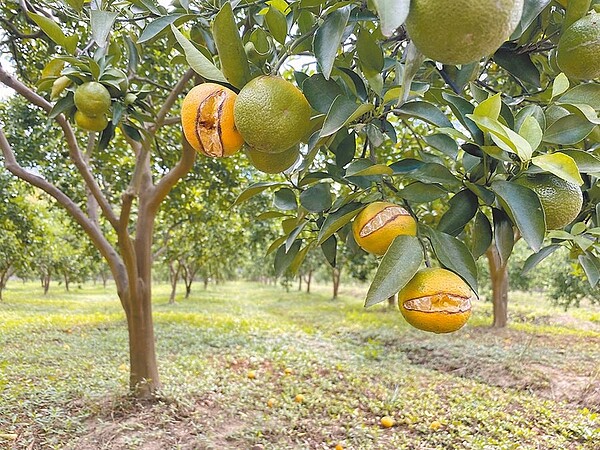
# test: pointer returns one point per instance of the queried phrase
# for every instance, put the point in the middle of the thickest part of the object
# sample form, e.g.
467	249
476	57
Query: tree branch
170	100
74	151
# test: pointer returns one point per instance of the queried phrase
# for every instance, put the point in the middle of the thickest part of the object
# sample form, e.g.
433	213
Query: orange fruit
273	162
436	300
271	114
251	374
376	226
578	51
271	402
461	31
561	200
207	120
299	398
387	422
88	123
92	99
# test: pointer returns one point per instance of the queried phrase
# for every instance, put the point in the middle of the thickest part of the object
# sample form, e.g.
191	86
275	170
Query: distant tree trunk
188	274
46	282
205	280
336	276
67	281
3	280
174	277
104	276
392	302
308	281
499	278
300	282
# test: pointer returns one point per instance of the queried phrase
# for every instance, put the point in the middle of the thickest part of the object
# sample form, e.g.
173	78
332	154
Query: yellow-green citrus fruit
579	49
59	85
92	99
461	31
561	200
377	225
273	162
387	422
436	300
271	114
207	120
85	122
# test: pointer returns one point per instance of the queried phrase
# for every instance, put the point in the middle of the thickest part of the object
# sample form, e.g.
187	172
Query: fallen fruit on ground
271	402
271	114
377	225
387	422
436	300
299	398
578	51
561	200
461	31
273	162
92	99
207	120
251	374
88	123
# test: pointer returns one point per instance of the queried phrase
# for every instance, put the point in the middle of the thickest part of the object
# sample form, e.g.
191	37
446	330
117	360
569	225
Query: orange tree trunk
499	279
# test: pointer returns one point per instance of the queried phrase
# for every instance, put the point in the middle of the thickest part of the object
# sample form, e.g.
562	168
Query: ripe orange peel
382	218
440	303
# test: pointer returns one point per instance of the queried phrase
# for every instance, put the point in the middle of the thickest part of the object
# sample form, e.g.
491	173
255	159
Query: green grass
63	374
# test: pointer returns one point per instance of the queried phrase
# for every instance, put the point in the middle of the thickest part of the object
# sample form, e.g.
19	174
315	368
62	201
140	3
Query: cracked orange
207	120
376	226
436	300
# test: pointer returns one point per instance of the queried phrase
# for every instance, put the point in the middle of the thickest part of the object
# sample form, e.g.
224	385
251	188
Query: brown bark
392	302
300	282
308	281
499	279
3	281
174	276
336	275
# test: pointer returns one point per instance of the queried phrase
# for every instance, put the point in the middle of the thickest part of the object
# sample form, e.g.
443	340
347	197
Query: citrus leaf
561	85
369	52
357	168
283	258
518	64
399	264
532	132
422	193
588	93
342	112
157	26
443	143
425	111
392	14
329	249
525	209
504	236
568	130
461	108
316	198
337	220
299	258
54	32
285	199
293	235
101	23
232	56
197	61
591	266
454	255
561	165
531	9
328	38
270	215
320	92
538	257
490	107
277	24
253	190
586	162
463	207
504	137
481	237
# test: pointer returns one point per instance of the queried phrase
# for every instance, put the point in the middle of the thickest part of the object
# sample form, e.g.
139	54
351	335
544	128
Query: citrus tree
487	96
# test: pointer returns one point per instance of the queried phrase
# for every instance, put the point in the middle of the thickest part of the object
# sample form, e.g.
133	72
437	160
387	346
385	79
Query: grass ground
64	370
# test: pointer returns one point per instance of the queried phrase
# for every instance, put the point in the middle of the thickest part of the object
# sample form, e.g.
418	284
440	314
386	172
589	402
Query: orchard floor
64	370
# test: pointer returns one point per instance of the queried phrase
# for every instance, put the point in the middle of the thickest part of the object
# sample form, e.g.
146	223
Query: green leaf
489	108
586	162
481	237
320	92
277	24
77	5
531	9
591	266
328	38
586	93
398	266
461	108
54	32
294	234
443	143
504	236
285	199
518	64
364	167
253	190
422	193
454	255
157	26
504	137
538	257
232	56
425	111
337	220
561	165
434	173
299	259
270	215
102	22
317	198
561	85
369	52
568	130
342	112
463	207
197	61
532	132
525	209
392	14
284	259
329	248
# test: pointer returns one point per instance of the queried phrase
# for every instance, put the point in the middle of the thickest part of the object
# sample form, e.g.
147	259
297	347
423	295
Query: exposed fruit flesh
208	123
382	218
444	303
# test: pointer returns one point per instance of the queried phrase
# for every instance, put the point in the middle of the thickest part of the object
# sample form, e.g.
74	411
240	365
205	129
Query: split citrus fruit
271	114
461	31
436	300
561	200
207	120
376	226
